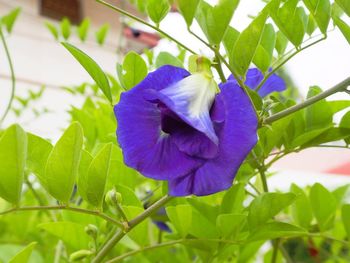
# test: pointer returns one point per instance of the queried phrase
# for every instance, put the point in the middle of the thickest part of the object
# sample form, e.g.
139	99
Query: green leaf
345	215
345	5
101	34
311	25
266	206
65	28
301	208
24	255
181	217
38	153
321	11
232	202
72	234
97	176
229	40
188	9
157	10
135	69
323	205
53	29
275	230
338	105
230	224
63	163
318	115
290	19
281	43
83	29
246	44
10	19
13	154
263	56
344	28
165	58
92	68
214	20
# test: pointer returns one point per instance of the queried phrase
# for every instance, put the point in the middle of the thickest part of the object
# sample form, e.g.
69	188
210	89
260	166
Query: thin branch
285	61
13	78
62	207
342	86
131	224
168	244
125	13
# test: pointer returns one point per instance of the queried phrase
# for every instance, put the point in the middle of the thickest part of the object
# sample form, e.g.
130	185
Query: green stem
218	68
276	244
13	78
285	61
168	244
342	86
63	207
125	13
131	224
263	179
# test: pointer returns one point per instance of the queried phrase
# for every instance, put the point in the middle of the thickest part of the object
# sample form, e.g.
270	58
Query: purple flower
177	127
255	76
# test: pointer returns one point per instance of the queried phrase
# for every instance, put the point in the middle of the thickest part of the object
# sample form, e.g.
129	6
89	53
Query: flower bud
113	198
79	255
91	230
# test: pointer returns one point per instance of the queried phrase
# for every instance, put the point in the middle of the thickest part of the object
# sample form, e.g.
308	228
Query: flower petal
254	77
237	136
274	83
191	99
145	147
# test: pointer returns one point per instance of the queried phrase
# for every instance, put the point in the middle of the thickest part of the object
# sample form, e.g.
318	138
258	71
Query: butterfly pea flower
186	130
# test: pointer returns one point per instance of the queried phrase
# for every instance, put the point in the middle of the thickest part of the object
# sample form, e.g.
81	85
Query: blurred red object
149	39
341	169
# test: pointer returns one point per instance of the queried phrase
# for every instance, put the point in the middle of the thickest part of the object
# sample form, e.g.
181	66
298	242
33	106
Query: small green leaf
134	68
266	206
10	19
181	217
63	163
188	9
229	40
263	56
345	5
311	25
281	43
321	11
246	44
301	208
290	19
214	20
83	29
72	234
345	215
318	115
92	68
323	205
53	29
232	202
97	176
275	230
38	153
344	28
101	34
13	154
65	28
165	58
230	224
24	255
157	10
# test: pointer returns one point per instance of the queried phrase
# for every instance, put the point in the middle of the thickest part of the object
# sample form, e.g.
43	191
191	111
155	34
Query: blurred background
44	67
